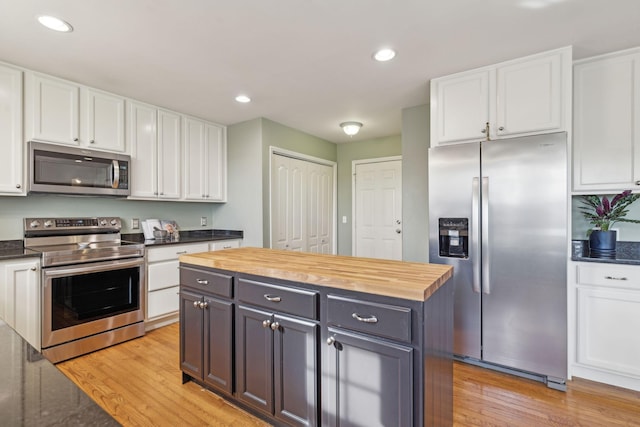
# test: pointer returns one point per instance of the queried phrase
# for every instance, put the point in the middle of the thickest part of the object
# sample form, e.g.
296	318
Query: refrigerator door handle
486	284
475	233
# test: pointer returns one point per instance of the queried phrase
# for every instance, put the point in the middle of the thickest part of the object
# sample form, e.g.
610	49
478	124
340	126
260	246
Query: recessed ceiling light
55	24
243	98
384	55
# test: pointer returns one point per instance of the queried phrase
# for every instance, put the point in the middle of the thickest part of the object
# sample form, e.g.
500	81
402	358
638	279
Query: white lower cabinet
608	320
224	244
163	277
20	298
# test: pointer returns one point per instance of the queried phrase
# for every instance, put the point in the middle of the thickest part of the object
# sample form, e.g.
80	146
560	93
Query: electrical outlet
135	223
203	221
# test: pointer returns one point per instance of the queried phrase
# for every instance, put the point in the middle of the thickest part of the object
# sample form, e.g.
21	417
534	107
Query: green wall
14	209
368	149
415	180
243	209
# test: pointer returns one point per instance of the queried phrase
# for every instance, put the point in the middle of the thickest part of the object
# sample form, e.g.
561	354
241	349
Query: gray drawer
389	321
298	302
207	281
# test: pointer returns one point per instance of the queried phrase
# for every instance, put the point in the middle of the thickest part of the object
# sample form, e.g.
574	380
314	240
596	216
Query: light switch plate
135	223
203	221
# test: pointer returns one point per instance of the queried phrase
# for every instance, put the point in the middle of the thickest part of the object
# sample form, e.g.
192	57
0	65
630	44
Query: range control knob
48	224
114	222
34	224
103	222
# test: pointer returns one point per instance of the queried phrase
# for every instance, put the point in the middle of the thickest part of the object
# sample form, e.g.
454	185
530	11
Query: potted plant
602	214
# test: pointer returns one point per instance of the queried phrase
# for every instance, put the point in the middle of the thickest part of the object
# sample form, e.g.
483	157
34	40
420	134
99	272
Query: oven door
85	299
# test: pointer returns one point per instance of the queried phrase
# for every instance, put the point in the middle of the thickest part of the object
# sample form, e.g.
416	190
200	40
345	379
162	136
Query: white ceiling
305	63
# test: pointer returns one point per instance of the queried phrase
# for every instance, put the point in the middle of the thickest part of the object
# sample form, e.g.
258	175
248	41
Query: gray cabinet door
191	334
295	370
366	382
254	358
218	341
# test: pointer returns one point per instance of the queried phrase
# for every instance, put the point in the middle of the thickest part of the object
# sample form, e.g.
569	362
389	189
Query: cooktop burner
64	241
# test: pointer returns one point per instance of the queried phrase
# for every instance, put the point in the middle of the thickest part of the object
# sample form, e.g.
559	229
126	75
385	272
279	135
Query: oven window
86	297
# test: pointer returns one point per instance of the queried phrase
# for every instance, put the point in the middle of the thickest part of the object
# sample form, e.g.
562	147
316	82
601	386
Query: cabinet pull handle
202	282
196	304
266	323
501	128
331	340
272	298
615	278
637	182
275	326
181	252
370	319
204	304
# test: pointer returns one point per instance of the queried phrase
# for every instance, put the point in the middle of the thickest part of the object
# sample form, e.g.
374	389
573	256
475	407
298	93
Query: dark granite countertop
10	249
626	253
33	392
187	236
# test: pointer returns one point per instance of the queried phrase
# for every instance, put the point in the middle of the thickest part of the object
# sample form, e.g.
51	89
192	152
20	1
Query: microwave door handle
115	183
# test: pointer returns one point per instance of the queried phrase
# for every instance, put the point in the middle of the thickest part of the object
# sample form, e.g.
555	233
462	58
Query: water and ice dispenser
454	237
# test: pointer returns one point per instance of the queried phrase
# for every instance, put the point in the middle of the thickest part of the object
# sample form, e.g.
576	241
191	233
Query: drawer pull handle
202	281
615	278
370	319
181	252
271	298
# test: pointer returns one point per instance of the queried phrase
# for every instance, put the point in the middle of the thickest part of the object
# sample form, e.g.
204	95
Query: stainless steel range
92	284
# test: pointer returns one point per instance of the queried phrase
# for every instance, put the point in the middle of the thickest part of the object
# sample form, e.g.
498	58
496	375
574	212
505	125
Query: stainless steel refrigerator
498	215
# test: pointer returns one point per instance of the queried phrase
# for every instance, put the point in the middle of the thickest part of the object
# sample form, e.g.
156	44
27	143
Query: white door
288	199
378	209
320	208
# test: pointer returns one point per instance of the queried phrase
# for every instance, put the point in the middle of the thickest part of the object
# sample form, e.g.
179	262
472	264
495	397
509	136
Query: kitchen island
310	339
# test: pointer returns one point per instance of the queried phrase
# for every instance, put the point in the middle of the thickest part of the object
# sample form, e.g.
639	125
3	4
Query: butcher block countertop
398	279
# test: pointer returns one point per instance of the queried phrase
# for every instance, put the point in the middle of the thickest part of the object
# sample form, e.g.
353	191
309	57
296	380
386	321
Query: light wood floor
139	384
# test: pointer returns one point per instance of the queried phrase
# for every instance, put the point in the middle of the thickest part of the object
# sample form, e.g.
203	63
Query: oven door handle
93	267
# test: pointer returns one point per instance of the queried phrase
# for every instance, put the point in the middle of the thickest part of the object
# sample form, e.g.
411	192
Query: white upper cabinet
525	96
11	161
102	120
205	156
154	141
169	155
52	109
63	112
142	125
606	132
460	107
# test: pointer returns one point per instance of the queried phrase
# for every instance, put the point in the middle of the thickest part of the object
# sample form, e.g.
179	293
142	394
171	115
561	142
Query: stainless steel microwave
71	170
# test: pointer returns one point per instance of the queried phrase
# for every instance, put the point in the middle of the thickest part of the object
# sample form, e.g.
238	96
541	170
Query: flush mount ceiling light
384	55
55	24
351	128
243	99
